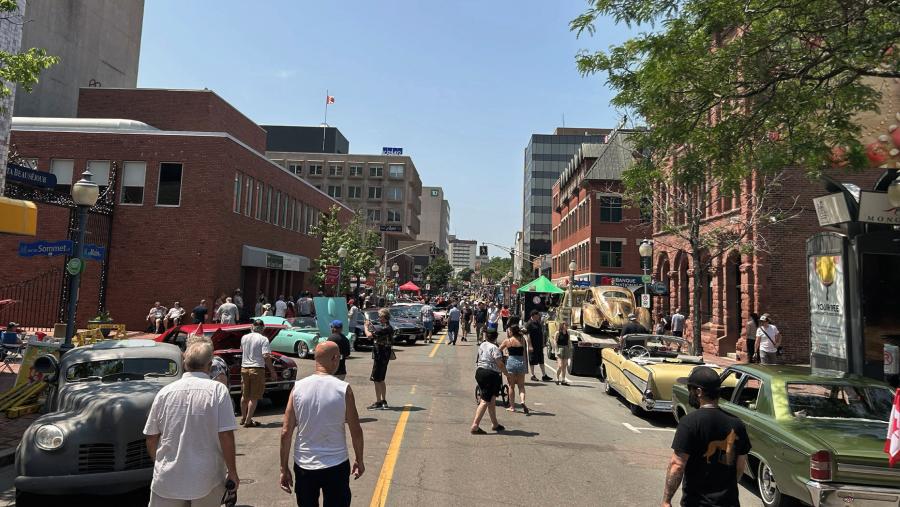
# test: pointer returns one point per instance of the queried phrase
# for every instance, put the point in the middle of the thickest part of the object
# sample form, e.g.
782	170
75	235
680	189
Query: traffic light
482	250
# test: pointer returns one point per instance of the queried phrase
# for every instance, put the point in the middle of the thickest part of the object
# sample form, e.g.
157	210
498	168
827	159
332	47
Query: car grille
96	458
136	455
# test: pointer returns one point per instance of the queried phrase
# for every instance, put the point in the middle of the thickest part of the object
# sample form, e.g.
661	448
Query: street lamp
85	194
342	253
893	192
396	269
646	252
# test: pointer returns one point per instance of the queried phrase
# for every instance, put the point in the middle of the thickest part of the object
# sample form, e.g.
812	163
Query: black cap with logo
703	377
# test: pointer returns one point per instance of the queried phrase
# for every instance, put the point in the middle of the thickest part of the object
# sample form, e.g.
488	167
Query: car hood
329	309
99	397
231	338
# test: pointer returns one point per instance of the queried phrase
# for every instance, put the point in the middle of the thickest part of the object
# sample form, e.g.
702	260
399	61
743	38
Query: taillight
820	466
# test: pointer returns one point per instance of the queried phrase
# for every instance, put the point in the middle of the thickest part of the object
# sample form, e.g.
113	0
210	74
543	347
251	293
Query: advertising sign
28	176
621	281
827	306
390	228
332	274
874	207
274	261
391	151
45	248
891	356
832	209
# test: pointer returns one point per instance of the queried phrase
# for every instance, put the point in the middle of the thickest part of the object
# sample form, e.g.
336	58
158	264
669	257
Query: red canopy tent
411	287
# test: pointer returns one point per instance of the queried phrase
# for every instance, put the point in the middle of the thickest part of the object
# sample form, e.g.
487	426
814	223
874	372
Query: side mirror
48	366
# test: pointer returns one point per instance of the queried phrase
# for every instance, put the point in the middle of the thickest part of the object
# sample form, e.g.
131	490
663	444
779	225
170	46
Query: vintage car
607	308
407	328
644	367
90	438
302	334
226	339
586	348
817	439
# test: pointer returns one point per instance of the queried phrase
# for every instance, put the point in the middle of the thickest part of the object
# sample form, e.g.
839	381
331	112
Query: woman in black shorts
382	340
489	367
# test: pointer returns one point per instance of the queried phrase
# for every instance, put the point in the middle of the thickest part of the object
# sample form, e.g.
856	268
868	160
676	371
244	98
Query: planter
98	322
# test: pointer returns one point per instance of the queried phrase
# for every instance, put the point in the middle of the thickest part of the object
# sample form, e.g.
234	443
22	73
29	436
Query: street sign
45	248
646	279
832	209
75	266
582	283
390	228
28	176
427	286
645	300
332	274
658	289
94	252
391	151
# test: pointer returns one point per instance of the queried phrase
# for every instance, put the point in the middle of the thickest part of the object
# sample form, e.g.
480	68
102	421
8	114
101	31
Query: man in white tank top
317	410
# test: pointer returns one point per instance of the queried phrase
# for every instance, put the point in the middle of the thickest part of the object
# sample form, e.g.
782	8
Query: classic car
607	308
226	339
302	334
586	348
643	368
90	438
817	439
407	328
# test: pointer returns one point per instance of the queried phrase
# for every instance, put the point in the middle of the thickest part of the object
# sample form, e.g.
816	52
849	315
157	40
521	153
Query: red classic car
226	339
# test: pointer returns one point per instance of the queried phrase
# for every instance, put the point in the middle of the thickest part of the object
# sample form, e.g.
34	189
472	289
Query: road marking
632	428
436	345
379	497
569	379
412	389
638	430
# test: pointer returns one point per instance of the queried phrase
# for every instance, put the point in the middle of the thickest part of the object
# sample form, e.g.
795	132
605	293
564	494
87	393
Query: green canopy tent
541	284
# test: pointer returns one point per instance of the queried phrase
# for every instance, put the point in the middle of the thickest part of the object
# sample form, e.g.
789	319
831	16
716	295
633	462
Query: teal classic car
816	439
303	333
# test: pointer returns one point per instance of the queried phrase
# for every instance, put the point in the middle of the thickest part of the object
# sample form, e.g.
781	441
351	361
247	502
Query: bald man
317	410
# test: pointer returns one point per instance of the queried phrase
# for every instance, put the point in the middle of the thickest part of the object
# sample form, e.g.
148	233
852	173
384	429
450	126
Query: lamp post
396	269
342	254
646	252
85	194
893	192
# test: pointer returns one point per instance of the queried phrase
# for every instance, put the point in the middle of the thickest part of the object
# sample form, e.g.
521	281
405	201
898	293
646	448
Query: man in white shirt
678	323
305	305
427	313
228	313
256	358
768	339
354	318
190	436
317	410
174	315
280	307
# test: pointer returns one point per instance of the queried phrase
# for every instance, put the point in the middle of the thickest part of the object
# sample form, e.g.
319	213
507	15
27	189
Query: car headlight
49	437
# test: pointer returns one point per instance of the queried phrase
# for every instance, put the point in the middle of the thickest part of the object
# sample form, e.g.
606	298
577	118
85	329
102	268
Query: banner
827	307
332	274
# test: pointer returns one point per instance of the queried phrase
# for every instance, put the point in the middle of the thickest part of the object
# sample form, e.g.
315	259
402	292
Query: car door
614	373
751	404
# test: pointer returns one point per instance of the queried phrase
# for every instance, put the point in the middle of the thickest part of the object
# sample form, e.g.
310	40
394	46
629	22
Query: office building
287	138
98	43
545	158
435	218
15	216
462	253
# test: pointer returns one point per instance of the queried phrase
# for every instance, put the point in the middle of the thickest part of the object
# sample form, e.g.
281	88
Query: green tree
438	272
24	67
466	274
497	268
359	241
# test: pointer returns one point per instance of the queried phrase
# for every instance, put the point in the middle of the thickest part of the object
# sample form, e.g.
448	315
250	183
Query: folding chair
13	350
5	361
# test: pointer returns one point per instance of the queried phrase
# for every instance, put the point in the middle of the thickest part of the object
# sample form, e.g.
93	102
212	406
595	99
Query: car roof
798	373
114	349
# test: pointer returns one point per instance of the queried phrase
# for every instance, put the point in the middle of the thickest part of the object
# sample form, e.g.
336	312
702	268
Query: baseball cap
13	324
764	317
631	316
703	377
337	323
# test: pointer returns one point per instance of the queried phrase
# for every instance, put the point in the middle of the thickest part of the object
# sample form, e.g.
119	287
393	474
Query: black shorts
333	482
379	370
489	381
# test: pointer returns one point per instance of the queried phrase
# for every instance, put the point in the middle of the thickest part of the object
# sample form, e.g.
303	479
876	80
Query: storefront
272	273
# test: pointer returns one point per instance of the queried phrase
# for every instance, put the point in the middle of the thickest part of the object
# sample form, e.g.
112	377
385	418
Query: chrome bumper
656	405
827	494
108	483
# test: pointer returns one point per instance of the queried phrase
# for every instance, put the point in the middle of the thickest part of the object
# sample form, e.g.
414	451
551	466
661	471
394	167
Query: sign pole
75	267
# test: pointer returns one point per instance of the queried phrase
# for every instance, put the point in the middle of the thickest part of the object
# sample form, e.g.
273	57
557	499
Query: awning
409	286
541	284
255	257
18	217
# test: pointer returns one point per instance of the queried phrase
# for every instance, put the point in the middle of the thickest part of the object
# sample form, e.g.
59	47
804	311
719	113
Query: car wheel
279	398
25	499
411	341
768	487
301	349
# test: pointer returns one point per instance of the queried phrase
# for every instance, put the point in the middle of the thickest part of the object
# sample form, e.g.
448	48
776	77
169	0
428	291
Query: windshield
616	294
137	366
403	311
839	401
304	322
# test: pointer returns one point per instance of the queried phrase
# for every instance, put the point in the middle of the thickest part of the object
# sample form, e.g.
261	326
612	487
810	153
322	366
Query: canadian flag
198	331
329	99
892	446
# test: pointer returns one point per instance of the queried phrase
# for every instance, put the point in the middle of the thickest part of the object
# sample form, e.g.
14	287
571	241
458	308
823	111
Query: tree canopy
438	273
359	241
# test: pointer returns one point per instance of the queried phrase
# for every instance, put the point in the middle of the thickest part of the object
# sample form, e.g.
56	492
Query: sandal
498	428
252	424
478	431
525	409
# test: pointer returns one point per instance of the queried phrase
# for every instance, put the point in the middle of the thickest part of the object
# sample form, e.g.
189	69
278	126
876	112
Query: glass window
304	211
356	170
729	382
169	191
133	176
248	205
749	392
376	171
269	205
100	173
64	171
610	209
259	200
354	192
373	215
395	170
839	401
393	215
95	370
335	170
334	191
435	193
277	219
315	169
284	214
611	254
296	168
395	194
238	185
374	192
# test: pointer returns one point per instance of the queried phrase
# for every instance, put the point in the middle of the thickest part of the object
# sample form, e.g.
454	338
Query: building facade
462	253
98	43
10	41
435	218
545	158
294	139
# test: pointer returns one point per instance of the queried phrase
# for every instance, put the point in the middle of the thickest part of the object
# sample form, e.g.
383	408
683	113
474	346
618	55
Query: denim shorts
516	364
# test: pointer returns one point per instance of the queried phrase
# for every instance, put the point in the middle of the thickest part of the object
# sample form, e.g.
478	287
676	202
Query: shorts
516	364
333	483
428	325
253	383
212	499
489	381
564	351
536	356
379	371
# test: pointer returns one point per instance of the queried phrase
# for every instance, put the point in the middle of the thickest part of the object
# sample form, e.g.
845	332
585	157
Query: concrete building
435	218
99	45
462	253
16	216
545	158
287	138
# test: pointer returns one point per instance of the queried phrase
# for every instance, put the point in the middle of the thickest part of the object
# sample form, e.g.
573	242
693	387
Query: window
238	185
837	400
277	219
394	215
295	226
373	215
303	215
249	191
315	169
374	192
611	254
334	191
646	210
610	209
64	170
169	190
435	193
284	212
296	168
354	192
100	173
729	382
335	170
395	170
269	205
395	194
749	393
356	171
133	176
259	200
376	171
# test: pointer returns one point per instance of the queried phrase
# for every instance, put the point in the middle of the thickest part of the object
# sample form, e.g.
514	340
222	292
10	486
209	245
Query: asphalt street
578	446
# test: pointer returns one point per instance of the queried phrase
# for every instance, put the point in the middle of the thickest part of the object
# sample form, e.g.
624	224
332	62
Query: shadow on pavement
401	408
363	420
516	433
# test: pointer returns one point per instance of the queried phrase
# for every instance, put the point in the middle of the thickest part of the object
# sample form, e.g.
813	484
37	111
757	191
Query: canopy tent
541	284
409	286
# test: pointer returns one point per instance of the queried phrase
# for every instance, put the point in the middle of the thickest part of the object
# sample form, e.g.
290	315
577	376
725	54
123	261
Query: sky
459	85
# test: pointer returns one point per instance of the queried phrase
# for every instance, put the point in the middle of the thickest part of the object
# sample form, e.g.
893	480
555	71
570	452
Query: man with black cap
337	336
709	449
633	326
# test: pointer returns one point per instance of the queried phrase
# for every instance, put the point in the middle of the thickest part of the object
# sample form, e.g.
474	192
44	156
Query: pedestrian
198	314
678	323
156	316
256	359
489	367
219	369
633	326
354	317
453	316
228	313
238	301
504	317
467	320
752	327
493	320
660	327
709	451
427	313
291	311
260	303
382	352
190	436
219	302
174	315
768	341
536	338
318	408
514	345
337	336
481	316
280	306
305	305
563	354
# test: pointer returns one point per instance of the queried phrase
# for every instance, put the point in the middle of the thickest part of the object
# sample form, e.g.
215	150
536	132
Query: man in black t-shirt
709	450
481	315
535	330
199	312
633	326
337	336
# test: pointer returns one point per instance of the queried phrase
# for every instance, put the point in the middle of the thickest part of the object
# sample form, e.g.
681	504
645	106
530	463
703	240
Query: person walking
238	299
678	323
427	313
535	331
709	451
260	303
768	341
190	436
156	316
382	352
305	305
514	346
354	318
291	311
489	366
256	358
563	354
198	314
216	304
467	315
317	411
453	316
660	327
481	316
493	320
752	327
280	306
228	313
633	326
504	317
337	336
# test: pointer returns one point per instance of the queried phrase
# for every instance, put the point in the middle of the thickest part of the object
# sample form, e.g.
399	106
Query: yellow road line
412	390
379	497
436	345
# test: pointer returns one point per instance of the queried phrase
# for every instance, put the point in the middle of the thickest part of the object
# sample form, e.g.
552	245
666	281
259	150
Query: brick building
199	209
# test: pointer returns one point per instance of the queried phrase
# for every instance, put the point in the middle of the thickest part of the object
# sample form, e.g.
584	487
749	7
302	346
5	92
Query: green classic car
304	333
817	439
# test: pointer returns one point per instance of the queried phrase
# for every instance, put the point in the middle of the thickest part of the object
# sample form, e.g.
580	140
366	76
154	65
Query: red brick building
199	210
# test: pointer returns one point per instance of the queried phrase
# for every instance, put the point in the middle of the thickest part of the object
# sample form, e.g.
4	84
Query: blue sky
459	85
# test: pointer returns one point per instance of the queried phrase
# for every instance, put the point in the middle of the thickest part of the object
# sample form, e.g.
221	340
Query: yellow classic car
644	367
607	308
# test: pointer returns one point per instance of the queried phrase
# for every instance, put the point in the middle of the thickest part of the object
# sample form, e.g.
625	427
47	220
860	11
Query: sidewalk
12	429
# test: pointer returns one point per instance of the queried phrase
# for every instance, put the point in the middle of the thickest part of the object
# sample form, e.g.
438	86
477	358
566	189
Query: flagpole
325	123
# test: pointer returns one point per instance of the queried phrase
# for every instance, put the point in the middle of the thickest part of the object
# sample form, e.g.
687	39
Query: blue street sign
94	252
391	151
48	248
21	174
582	283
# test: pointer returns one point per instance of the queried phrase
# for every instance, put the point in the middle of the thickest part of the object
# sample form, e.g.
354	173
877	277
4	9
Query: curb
7	456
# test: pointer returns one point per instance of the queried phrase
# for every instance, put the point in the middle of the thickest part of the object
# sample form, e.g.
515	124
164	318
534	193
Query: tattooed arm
673	476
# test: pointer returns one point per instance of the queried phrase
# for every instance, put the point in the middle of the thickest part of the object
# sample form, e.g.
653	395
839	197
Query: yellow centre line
436	345
379	497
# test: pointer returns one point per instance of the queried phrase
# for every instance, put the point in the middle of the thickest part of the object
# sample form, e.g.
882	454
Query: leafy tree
359	241
21	68
438	272
497	268
466	274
